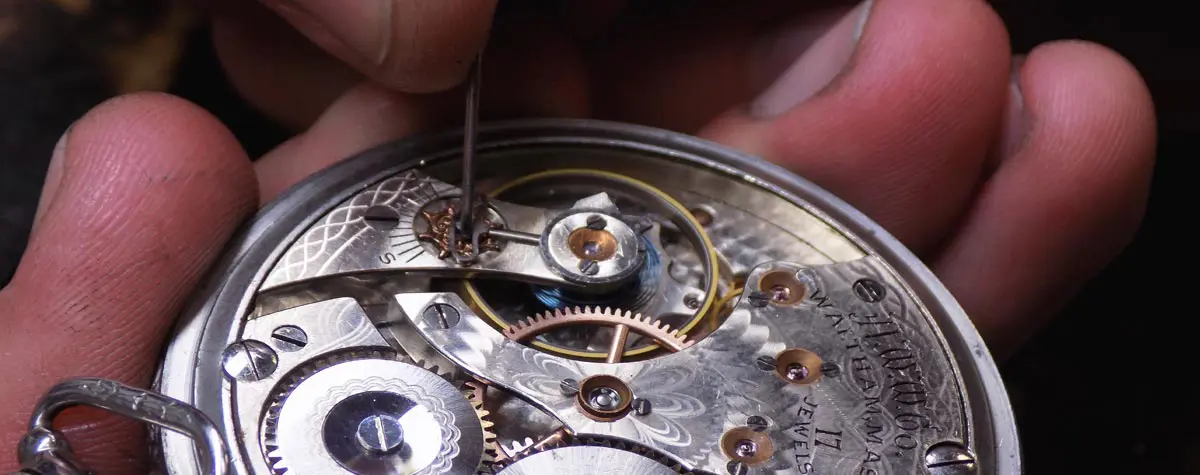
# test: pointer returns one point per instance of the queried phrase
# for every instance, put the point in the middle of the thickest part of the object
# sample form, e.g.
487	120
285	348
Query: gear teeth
289	382
475	392
490	450
432	367
519	446
538	324
518	450
276	462
472	390
512	451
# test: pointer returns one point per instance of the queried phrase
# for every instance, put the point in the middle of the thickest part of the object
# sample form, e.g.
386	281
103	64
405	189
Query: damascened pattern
341	228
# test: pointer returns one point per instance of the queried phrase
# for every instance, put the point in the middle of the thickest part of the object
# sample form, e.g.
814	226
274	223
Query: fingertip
146	178
157	119
414	46
904	126
1078	88
920	68
275	68
365	116
1090	120
156	163
1066	202
160	133
432	47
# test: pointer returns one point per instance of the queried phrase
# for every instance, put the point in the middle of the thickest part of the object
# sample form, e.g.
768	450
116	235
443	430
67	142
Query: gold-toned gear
622	322
522	449
440	226
476	393
513	450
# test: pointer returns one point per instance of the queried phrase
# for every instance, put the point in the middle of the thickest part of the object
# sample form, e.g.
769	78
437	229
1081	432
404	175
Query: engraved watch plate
639	296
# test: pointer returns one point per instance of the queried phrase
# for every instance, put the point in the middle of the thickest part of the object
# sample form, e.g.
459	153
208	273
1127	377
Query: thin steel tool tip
466	213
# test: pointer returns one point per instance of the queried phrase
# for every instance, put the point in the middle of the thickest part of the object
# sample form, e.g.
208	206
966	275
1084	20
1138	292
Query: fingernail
816	67
363	26
54	173
1012	137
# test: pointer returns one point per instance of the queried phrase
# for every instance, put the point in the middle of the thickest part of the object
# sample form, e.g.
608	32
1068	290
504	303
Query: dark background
1107	387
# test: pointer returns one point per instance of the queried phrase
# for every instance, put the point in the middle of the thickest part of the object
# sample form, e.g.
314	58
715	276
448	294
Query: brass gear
623	322
520	449
476	393
515	449
439	233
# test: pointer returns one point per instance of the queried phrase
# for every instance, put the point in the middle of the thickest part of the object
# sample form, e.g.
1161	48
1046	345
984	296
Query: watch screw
440	315
757	423
949	458
765	363
249	360
289	338
869	291
569	387
596	222
642	407
758	299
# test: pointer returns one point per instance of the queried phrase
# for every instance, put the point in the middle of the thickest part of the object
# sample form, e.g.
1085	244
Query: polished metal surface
819	372
319	421
346	242
466	220
44	450
593	247
672	239
380	434
250	360
584	460
896	390
336	329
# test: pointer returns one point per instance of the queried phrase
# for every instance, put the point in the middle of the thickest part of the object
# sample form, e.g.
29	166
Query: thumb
411	45
146	190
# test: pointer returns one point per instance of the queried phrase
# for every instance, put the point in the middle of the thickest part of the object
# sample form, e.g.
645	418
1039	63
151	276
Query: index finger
410	45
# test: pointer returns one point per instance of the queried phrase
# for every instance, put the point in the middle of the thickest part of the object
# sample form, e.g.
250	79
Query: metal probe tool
466	216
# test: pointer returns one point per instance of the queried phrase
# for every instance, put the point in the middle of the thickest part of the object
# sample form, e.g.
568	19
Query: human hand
1012	198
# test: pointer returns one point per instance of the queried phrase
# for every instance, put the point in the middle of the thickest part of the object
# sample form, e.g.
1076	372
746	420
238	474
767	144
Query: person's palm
1013	184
